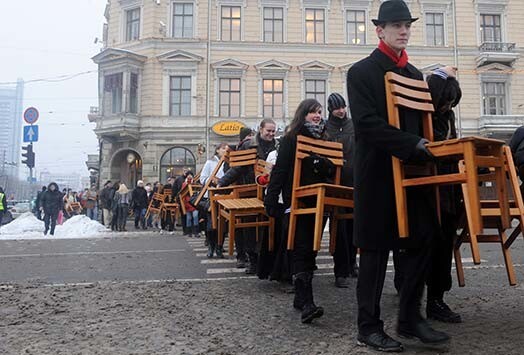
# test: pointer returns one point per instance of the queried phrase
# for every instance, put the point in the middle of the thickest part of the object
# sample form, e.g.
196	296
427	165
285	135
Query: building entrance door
126	167
174	161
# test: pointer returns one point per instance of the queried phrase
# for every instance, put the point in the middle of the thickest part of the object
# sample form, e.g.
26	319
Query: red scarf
401	61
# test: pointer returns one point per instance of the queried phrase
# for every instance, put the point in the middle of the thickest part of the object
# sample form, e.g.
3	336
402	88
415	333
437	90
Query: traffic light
29	156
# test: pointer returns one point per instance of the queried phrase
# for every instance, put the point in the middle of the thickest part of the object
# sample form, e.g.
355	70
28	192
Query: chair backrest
243	157
412	94
309	146
204	189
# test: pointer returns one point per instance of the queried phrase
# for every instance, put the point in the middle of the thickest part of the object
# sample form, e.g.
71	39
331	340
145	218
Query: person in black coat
38	203
339	128
245	240
446	94
52	203
308	122
139	202
375	218
177	187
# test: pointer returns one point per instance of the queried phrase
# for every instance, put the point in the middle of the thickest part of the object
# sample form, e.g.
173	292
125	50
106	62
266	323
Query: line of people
369	143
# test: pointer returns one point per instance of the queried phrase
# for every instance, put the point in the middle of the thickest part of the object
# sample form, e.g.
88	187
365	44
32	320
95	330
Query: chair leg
221	228
502	197
510	270
475	227
458	266
231	232
319	219
292	229
400	199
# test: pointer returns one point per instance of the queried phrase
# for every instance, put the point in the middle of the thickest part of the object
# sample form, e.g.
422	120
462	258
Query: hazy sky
48	39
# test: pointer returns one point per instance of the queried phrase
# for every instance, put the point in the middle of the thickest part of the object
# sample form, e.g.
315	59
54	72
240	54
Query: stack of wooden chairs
475	152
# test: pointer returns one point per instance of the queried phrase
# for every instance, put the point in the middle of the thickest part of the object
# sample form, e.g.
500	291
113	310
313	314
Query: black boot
439	310
210	251
304	284
422	331
219	252
196	233
300	297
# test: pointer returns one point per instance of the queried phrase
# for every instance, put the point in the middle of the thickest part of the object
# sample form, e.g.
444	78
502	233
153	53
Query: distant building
11	106
75	182
172	69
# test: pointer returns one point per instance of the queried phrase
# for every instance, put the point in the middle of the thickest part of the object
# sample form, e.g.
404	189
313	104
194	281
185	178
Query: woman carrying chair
308	122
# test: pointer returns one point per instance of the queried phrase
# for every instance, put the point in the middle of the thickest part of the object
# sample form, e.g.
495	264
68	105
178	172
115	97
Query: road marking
224	271
93	253
228	278
218	261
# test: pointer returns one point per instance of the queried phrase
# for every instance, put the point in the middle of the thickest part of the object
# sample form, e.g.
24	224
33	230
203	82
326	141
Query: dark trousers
345	256
412	263
123	209
246	244
303	256
1	215
140	217
439	278
114	219
50	218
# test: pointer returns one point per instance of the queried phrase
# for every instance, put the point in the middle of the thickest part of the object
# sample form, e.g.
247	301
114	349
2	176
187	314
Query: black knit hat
244	132
335	101
393	10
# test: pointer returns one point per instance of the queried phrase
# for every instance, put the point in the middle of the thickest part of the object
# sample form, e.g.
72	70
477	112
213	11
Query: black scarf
316	130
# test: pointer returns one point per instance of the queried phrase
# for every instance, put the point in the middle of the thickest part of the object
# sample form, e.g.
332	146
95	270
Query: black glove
274	211
421	152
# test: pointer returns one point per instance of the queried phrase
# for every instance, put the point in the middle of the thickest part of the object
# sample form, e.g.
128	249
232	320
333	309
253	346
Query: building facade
11	103
175	75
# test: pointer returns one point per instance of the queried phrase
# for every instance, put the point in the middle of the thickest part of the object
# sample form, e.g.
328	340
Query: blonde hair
123	189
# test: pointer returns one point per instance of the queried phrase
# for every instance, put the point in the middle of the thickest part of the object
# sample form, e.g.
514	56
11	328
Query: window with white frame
356	26
490	28
273	97
182	20
315	24
229	97
133	24
435	29
230	23
494	98
180	96
113	92
133	93
273	24
316	89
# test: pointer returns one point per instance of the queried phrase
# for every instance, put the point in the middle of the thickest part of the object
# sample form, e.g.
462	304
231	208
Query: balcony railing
497	47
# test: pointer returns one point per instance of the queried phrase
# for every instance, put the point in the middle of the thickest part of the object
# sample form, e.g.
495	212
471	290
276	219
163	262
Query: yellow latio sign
227	128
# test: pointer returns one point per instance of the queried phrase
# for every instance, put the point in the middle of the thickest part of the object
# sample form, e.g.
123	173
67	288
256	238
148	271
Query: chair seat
241	203
328	187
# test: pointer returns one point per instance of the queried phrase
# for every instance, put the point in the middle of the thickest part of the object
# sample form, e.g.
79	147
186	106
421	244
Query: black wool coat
342	131
375	220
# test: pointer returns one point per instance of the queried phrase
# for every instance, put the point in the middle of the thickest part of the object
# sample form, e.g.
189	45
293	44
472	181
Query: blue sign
30	134
31	115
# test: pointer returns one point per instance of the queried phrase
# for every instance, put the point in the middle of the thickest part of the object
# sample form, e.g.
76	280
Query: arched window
174	161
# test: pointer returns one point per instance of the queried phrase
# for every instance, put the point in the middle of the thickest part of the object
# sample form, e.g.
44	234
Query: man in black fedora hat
375	221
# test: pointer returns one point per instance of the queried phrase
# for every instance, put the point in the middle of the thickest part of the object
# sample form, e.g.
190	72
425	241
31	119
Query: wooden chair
475	151
490	212
155	205
247	212
329	197
168	206
233	158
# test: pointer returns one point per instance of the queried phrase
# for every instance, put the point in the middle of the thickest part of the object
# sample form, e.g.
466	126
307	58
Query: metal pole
208	77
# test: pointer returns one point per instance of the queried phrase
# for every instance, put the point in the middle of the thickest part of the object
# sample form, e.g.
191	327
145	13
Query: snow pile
27	226
25	223
80	226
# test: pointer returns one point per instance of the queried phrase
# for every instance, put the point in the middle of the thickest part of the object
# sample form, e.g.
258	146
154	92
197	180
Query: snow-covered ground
27	226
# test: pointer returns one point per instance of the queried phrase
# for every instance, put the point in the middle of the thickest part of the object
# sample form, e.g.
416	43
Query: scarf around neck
316	130
401	61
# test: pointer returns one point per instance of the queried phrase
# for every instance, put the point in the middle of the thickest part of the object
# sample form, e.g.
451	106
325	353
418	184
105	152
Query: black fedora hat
393	10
